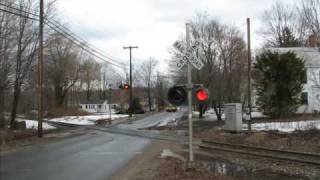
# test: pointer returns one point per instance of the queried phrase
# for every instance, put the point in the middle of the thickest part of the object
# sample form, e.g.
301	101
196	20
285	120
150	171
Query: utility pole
189	88
249	74
40	72
130	49
110	102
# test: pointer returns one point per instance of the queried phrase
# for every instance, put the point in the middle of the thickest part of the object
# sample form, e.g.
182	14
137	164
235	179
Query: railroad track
128	132
211	146
294	156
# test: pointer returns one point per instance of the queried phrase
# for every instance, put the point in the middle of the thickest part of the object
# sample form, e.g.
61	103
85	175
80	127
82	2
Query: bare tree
309	16
222	50
26	36
90	72
147	72
63	66
280	26
161	87
6	49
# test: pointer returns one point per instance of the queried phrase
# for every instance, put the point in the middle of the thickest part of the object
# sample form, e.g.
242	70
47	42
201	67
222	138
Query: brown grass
173	169
307	141
58	112
11	135
294	117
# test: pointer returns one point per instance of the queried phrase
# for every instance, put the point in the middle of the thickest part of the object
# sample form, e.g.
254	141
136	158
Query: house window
86	106
304	98
305	78
99	106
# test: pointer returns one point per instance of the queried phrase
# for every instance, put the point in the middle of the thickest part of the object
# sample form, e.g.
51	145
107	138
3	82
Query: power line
86	44
18	14
64	33
82	41
61	30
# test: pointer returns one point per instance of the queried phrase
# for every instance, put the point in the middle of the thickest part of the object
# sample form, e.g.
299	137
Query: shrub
279	82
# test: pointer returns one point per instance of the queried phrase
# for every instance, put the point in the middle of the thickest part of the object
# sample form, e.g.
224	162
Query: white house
311	91
97	106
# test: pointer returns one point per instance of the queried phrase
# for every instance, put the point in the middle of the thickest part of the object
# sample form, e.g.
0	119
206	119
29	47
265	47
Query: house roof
310	55
99	101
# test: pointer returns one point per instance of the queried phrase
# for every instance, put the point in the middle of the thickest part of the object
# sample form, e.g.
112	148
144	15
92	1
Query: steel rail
301	157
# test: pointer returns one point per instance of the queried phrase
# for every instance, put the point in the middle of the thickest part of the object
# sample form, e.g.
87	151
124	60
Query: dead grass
11	135
173	169
307	141
58	112
294	117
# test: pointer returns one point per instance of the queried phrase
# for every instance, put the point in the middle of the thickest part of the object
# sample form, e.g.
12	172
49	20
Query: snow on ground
155	120
166	122
32	124
258	115
86	120
211	115
285	126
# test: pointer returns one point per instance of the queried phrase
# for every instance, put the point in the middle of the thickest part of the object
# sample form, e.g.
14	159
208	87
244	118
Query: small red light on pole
202	95
126	86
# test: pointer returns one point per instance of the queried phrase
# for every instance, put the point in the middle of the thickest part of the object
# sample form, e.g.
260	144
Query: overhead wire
66	29
62	31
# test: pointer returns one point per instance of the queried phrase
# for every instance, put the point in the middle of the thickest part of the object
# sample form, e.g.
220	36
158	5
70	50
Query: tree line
64	64
223	51
71	74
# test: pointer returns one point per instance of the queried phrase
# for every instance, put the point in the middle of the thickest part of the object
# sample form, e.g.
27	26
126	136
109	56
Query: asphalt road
153	120
93	156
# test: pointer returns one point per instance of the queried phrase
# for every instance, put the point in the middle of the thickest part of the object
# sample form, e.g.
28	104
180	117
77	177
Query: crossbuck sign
190	56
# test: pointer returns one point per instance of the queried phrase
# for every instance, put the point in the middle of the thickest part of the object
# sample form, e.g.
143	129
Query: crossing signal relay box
233	114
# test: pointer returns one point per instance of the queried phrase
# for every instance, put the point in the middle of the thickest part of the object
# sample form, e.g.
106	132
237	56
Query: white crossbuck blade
190	57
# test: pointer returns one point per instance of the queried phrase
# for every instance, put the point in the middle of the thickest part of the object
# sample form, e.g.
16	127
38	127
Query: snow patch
32	124
168	153
86	120
285	126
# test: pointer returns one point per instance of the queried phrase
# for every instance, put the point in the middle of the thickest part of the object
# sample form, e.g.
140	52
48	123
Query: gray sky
153	25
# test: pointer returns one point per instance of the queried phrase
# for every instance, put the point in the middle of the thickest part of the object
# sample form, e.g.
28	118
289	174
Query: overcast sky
153	25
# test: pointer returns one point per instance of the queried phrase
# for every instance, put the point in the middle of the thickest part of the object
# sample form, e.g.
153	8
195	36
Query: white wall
313	89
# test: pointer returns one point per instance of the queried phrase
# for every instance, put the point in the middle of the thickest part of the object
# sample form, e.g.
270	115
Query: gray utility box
233	113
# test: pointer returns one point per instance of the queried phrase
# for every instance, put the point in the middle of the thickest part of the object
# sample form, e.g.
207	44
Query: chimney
313	41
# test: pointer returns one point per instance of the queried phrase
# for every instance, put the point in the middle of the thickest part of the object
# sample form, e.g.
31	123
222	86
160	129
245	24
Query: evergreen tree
279	82
288	39
136	107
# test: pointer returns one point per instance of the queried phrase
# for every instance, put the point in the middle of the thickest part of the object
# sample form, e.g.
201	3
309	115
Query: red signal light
126	86
202	95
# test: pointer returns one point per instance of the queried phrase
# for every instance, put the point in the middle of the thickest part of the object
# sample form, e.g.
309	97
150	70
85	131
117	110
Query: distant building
97	106
311	91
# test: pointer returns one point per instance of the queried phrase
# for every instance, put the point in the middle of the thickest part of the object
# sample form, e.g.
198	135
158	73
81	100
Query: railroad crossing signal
177	95
191	57
124	86
202	95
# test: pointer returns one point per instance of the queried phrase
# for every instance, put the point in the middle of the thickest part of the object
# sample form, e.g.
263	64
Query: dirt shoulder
150	166
19	139
143	165
304	141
